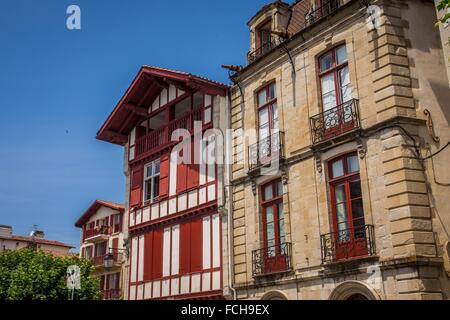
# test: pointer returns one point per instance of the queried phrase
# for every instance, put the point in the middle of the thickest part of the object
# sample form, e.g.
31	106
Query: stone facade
398	76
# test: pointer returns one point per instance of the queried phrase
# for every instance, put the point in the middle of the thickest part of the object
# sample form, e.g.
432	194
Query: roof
266	7
140	94
94	208
38	240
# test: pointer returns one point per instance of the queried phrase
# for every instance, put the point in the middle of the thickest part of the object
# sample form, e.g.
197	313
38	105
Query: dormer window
264	38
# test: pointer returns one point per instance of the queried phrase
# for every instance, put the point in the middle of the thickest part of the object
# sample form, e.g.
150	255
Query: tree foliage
27	274
444	5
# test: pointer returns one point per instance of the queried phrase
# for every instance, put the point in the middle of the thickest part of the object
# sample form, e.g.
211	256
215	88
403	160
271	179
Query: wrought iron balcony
335	122
358	242
264	49
325	9
272	259
266	151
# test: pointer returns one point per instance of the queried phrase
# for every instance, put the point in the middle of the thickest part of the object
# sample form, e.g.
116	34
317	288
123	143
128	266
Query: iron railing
335	122
357	242
264	49
272	259
325	9
266	151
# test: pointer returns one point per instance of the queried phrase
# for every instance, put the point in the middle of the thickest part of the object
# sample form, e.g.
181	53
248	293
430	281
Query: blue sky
58	86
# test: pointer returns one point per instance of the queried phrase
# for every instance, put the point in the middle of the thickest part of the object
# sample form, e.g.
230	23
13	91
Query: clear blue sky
58	86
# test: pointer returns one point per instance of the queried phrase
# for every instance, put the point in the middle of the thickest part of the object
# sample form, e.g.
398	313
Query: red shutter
181	177
164	176
185	248
157	254
148	251
115	246
137	176
196	245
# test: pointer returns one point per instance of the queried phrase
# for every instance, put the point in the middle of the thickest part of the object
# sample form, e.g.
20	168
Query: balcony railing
162	136
335	122
357	242
266	151
111	294
99	261
272	259
325	9
263	49
97	231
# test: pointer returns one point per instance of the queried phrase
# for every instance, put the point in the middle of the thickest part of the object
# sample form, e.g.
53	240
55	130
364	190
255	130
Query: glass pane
155	187
355	189
339	194
357	209
326	62
275	116
341	54
279	188
268	192
262	97
148	171
198	100
341	212
337	169
182	107
148	190
269	215
263	117
328	92
272	91
156	167
352	164
344	83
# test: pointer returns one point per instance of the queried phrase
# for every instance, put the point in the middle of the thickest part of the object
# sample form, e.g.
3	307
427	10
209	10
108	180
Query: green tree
27	274
444	5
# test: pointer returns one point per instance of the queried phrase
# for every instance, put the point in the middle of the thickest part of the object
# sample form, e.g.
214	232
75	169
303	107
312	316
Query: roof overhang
97	204
133	107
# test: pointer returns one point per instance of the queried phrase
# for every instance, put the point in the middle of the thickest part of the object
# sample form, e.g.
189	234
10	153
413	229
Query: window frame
347	178
273	202
335	68
152	177
270	101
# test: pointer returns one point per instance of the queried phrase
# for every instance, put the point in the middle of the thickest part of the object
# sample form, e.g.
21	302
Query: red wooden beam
135	109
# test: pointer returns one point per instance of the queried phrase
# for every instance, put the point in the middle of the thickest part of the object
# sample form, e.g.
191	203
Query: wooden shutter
137	176
115	246
157	254
181	177
196	245
164	176
148	251
185	248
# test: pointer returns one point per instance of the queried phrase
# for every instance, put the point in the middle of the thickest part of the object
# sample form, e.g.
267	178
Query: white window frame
152	179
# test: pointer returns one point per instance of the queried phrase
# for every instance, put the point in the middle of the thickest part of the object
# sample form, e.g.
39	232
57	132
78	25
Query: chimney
38	234
5	231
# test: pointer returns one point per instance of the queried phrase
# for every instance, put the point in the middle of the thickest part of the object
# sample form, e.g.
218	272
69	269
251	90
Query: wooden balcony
97	234
348	244
271	260
160	138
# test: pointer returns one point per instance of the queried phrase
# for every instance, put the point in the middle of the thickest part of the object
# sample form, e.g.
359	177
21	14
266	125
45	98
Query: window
267	118
151	181
347	205
117	223
263	38
88	252
100	249
334	78
274	233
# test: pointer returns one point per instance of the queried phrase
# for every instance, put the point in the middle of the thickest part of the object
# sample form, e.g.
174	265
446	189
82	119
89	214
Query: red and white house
173	221
102	235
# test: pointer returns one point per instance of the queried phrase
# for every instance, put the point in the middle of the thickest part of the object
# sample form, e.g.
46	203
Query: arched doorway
274	295
354	290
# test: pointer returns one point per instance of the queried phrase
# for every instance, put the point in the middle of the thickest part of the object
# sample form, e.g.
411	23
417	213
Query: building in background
10	241
175	214
355	109
102	242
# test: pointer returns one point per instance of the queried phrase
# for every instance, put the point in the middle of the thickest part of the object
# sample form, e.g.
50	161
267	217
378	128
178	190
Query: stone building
353	107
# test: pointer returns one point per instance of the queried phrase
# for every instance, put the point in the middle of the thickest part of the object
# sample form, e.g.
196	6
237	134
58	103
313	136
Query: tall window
267	118
273	217
335	86
151	181
263	38
346	198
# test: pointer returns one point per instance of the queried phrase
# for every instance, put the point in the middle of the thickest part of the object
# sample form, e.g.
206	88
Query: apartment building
174	217
102	242
341	191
